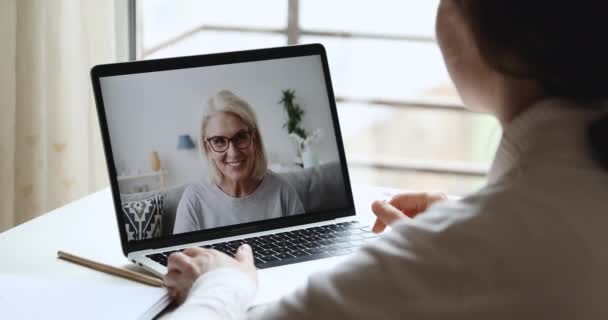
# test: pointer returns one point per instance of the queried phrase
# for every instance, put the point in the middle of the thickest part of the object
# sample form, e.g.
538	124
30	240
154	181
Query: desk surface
88	227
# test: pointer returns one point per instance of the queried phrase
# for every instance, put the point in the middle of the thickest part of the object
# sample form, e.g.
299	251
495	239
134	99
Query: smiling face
237	162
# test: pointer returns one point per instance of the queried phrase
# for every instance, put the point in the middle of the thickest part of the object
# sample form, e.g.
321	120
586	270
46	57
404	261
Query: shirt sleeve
185	217
223	293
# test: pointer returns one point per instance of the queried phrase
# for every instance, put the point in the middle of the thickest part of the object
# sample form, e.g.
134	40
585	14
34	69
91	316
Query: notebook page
29	297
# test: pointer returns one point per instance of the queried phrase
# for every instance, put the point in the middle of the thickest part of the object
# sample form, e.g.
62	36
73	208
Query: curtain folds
50	151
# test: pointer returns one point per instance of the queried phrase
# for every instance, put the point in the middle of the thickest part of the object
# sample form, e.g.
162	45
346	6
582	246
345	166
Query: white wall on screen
148	111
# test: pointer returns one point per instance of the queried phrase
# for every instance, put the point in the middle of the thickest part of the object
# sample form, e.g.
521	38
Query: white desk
88	227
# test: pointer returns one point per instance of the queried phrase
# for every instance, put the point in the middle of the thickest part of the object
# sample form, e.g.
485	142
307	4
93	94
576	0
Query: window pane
209	42
387	69
360	69
164	19
450	184
411	17
378	132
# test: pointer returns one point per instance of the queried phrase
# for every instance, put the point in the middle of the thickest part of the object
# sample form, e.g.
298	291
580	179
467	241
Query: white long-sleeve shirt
531	244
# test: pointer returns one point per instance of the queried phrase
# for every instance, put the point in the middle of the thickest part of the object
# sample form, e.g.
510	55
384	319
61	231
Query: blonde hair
227	102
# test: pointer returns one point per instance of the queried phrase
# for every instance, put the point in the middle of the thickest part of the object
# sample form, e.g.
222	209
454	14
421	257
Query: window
402	122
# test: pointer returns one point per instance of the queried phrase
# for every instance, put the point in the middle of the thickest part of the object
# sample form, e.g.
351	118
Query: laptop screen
223	145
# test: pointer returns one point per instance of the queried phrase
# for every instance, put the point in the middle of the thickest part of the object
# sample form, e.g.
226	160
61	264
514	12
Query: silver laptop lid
210	146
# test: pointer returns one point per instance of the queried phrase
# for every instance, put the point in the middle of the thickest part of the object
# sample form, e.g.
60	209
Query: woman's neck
239	189
515	97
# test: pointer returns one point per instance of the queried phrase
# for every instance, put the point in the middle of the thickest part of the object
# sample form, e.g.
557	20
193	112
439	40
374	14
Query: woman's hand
185	267
402	205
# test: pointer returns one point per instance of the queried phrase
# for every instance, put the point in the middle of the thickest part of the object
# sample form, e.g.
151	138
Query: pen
110	269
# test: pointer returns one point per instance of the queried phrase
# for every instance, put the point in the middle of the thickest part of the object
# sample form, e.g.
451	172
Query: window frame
293	32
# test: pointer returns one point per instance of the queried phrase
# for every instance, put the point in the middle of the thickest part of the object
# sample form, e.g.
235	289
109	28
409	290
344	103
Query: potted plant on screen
303	138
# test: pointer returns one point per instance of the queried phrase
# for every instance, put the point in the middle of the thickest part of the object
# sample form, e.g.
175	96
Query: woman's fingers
177	262
379	226
404	204
413	203
410	203
185	267
386	213
193	252
170	279
179	283
174	282
244	254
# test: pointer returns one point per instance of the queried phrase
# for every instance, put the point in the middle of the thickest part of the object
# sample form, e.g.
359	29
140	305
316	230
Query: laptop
222	149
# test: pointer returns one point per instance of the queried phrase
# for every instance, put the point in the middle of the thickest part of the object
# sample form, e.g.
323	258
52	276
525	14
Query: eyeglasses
241	140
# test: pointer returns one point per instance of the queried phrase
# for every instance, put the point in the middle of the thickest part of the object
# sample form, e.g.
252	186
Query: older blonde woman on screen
531	244
240	187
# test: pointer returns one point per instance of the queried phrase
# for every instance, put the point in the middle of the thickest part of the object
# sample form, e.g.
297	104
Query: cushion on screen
320	187
143	217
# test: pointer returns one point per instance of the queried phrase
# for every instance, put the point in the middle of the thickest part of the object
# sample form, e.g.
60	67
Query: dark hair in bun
561	44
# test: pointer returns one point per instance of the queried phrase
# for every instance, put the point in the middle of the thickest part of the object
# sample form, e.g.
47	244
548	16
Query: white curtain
50	151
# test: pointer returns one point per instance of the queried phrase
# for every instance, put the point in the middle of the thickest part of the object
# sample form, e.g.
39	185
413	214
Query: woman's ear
254	137
204	147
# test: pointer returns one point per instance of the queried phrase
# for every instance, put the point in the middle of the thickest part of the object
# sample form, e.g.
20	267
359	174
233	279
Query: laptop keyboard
294	246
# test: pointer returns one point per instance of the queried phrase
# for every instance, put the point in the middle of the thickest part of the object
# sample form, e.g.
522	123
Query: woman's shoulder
197	188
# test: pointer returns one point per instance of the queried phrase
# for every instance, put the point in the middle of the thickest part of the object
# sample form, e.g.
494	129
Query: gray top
204	205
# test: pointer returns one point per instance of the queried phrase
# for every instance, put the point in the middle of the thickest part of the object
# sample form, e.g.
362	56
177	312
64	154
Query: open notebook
27	297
